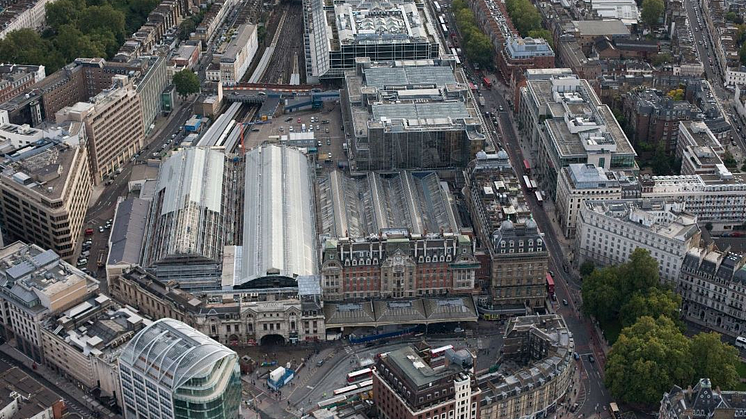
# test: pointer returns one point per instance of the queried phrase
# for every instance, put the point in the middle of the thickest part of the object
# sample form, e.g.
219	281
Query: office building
536	371
46	184
408	384
392	235
701	400
191	217
113	121
718	199
35	283
174	371
238	56
566	123
84	342
381	31
502	221
581	182
15	79
410	115
609	231
586	32
698	149
24	14
712	292
654	118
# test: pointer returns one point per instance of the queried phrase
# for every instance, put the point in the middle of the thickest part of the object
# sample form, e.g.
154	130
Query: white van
741	342
303	128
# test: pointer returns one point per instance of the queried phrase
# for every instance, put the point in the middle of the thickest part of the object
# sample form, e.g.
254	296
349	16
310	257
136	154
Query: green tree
587	268
714	359
72	43
640	273
543	34
652	11
662	59
601	296
187	26
676	94
28	47
647	359
743	166
63	12
479	50
655	303
99	19
186	83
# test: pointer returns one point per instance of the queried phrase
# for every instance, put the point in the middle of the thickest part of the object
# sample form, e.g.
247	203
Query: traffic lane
583	333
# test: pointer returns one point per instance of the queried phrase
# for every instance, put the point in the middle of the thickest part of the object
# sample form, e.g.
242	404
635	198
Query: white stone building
609	231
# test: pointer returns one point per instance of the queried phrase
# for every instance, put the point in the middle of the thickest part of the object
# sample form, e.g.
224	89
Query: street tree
601	296
714	359
647	359
186	83
587	268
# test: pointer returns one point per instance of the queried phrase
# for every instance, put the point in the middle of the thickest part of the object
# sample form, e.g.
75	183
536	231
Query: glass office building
171	371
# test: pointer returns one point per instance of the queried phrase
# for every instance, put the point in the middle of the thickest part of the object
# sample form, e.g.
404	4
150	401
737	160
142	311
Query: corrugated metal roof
128	231
278	214
193	174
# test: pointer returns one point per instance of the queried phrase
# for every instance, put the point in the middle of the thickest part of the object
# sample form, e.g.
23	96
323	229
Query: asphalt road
593	392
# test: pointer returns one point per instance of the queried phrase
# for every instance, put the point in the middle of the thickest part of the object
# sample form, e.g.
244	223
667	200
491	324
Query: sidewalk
63	384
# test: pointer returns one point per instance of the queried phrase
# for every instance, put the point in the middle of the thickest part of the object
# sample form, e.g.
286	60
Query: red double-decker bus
526	167
550	284
487	83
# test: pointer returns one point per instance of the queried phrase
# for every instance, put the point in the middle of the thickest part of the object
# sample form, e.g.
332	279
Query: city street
586	339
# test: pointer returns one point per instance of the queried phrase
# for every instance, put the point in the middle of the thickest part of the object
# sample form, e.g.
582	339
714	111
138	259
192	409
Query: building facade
519	266
238	56
702	400
654	118
194	375
34	284
398	264
336	37
407	384
712	291
15	79
536	370
83	343
578	183
566	124
410	115
46	185
609	231
114	126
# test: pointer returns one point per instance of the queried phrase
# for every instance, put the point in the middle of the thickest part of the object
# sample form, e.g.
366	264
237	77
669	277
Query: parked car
564	302
88	231
591	359
82	262
100	229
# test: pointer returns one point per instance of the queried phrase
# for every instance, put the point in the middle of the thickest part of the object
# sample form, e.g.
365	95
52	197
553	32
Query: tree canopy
652	355
477	45
186	82
524	15
652	11
715	360
647	359
76	28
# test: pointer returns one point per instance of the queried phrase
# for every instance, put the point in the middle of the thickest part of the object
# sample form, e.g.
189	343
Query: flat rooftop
375	21
657	216
605	27
16	383
43	166
417	370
